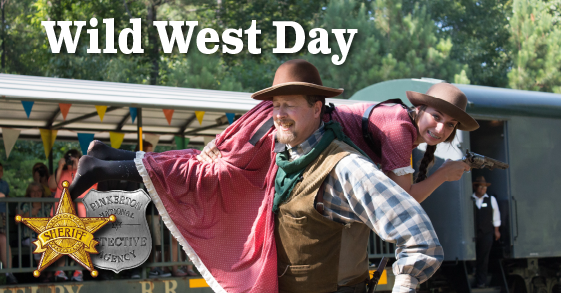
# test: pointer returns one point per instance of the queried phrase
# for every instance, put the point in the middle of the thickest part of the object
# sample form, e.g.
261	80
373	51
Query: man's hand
210	153
497	234
2	194
454	169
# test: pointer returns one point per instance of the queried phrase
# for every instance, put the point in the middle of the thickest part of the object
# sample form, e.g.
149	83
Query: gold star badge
65	234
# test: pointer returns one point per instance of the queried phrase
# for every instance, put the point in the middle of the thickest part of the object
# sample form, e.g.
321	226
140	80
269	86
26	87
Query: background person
67	171
41	175
5	250
487	223
34	209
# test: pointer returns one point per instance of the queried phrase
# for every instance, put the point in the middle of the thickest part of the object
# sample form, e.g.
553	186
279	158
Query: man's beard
284	137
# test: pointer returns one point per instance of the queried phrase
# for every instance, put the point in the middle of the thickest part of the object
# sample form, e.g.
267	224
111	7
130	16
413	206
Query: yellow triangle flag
48	136
116	139
101	111
200	115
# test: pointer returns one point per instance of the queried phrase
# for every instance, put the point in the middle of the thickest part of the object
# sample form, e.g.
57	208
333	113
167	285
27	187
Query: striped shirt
357	191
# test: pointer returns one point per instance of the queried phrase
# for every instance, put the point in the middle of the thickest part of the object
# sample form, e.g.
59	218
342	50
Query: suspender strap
261	131
375	147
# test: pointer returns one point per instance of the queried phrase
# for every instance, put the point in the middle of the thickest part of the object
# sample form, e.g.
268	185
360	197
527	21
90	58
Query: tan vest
316	254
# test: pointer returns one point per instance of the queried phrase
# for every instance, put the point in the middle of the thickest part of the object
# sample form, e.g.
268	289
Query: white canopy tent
84	95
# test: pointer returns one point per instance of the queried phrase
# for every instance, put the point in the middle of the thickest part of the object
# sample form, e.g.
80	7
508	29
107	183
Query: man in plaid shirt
356	191
327	198
329	195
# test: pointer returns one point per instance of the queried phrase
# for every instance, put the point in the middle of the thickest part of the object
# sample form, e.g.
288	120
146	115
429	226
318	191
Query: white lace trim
403	171
209	278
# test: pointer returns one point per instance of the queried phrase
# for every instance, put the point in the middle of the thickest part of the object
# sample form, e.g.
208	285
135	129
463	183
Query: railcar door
534	152
489	140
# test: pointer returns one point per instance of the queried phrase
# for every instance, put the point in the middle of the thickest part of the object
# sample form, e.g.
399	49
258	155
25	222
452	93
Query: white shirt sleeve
496	212
403	171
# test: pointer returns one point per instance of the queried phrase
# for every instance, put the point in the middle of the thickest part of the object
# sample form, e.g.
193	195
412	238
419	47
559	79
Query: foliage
479	30
535	38
198	70
392	42
239	14
255	72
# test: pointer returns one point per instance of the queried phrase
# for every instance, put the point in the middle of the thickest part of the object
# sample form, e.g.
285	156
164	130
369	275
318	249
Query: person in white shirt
487	223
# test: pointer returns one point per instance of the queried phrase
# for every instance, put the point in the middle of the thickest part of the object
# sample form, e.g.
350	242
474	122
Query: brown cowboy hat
448	99
480	181
296	77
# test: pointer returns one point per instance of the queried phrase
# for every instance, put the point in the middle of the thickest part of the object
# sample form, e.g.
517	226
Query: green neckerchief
289	173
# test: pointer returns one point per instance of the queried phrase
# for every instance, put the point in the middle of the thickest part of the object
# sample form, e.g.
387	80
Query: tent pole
51	162
139	126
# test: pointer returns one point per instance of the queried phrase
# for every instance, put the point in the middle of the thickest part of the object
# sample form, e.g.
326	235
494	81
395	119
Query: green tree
479	30
198	70
256	72
392	42
535	38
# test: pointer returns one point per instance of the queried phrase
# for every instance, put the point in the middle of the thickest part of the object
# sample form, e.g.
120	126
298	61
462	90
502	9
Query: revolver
479	161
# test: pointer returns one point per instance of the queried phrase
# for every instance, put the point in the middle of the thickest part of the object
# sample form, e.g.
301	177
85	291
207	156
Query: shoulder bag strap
375	147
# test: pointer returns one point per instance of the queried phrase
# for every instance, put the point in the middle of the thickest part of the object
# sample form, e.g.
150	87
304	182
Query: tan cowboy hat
448	99
480	181
296	77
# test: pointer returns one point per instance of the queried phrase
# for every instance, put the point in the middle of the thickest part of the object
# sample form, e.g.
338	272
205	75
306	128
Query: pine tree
197	70
535	40
392	42
480	33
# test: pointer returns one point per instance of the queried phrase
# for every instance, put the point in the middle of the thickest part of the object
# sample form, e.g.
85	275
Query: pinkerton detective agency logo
65	234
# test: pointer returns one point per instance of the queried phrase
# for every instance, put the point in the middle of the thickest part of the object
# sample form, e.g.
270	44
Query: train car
523	129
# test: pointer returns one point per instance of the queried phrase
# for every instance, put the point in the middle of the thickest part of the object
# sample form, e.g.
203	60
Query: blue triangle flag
27	105
85	139
133	113
230	117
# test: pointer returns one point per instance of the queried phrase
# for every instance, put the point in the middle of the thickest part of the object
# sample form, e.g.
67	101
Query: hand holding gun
479	161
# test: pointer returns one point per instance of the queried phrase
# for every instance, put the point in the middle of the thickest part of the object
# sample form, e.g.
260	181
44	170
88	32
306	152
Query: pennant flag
64	108
116	139
9	136
133	112
27	106
230	117
101	111
169	114
84	139
181	143
48	136
200	115
152	139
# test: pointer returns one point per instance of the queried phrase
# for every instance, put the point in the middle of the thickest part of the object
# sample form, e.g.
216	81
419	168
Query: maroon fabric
389	125
223	209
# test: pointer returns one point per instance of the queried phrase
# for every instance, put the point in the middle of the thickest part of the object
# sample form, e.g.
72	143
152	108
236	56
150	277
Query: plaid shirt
357	191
